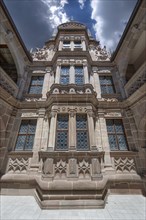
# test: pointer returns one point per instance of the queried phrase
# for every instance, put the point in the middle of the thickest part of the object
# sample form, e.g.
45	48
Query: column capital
72	113
41	112
90	113
53	114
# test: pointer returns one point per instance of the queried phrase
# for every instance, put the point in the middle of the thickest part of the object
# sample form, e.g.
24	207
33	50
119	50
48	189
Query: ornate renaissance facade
73	125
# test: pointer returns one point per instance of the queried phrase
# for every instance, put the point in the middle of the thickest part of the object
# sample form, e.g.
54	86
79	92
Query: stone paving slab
118	207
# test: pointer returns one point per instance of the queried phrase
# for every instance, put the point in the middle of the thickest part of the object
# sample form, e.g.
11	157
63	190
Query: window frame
79	75
106	86
23	121
64	76
115	133
37	85
82	129
62	130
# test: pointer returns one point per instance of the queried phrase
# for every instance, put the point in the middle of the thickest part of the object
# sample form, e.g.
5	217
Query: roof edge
2	4
137	6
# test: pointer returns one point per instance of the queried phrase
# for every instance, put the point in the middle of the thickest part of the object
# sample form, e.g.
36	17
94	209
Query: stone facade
73	126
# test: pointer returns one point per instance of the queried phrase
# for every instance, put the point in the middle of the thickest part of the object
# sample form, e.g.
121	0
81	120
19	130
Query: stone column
57	76
72	74
46	82
98	140
72	45
53	116
105	142
97	83
86	77
92	79
45	134
60	45
37	140
83	45
72	130
91	130
51	80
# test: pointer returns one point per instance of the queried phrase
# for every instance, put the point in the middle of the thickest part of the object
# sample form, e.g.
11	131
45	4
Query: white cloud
81	3
56	13
108	20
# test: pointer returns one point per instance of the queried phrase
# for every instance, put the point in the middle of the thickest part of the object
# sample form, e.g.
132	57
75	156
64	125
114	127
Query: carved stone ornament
124	164
100	54
29	114
18	165
48	166
42	53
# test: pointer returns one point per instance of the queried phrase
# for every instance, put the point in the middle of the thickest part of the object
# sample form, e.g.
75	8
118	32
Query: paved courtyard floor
123	207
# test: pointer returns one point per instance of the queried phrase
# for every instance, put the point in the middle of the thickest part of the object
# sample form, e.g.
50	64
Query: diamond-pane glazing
64	75
82	140
79	70
36	85
112	142
110	125
81	121
62	122
62	143
20	142
106	84
119	127
29	142
122	142
26	135
79	80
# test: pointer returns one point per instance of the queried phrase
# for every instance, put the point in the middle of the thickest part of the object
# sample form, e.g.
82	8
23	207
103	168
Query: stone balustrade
71	165
136	81
7	83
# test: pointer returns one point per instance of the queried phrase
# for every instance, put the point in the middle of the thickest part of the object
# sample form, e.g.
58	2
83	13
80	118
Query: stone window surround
72	111
72	63
72	39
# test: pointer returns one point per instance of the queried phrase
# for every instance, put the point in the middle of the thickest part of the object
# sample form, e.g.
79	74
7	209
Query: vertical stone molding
98	138
53	116
72	73
46	83
52	80
72	45
72	130
96	82
92	79
45	134
37	139
83	44
105	142
57	75
60	45
48	168
91	130
86	76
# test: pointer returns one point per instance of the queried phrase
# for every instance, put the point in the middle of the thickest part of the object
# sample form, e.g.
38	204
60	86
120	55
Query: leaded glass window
36	85
64	75
62	132
82	132
26	135
79	75
116	135
107	86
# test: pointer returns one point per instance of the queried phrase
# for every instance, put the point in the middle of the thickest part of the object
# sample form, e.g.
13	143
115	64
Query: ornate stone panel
124	165
18	165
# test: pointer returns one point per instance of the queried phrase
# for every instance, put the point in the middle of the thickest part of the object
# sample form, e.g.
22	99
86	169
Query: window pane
32	128
24	127
106	83
34	80
62	122
81	122
36	85
79	80
82	140
110	125
109	89
20	142
40	80
64	70
79	70
118	126
64	80
112	142
29	142
122	142
61	143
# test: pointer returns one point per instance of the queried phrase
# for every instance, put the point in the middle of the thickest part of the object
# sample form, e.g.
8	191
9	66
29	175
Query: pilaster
96	82
53	116
72	73
86	77
46	82
57	76
72	130
91	130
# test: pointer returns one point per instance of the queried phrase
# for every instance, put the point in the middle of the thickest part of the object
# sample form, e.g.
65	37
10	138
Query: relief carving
124	164
48	166
18	165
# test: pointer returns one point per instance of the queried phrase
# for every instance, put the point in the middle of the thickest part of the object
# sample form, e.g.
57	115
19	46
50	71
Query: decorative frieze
18	165
124	164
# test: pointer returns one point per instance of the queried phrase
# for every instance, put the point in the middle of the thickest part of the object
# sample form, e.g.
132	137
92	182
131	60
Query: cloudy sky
37	19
